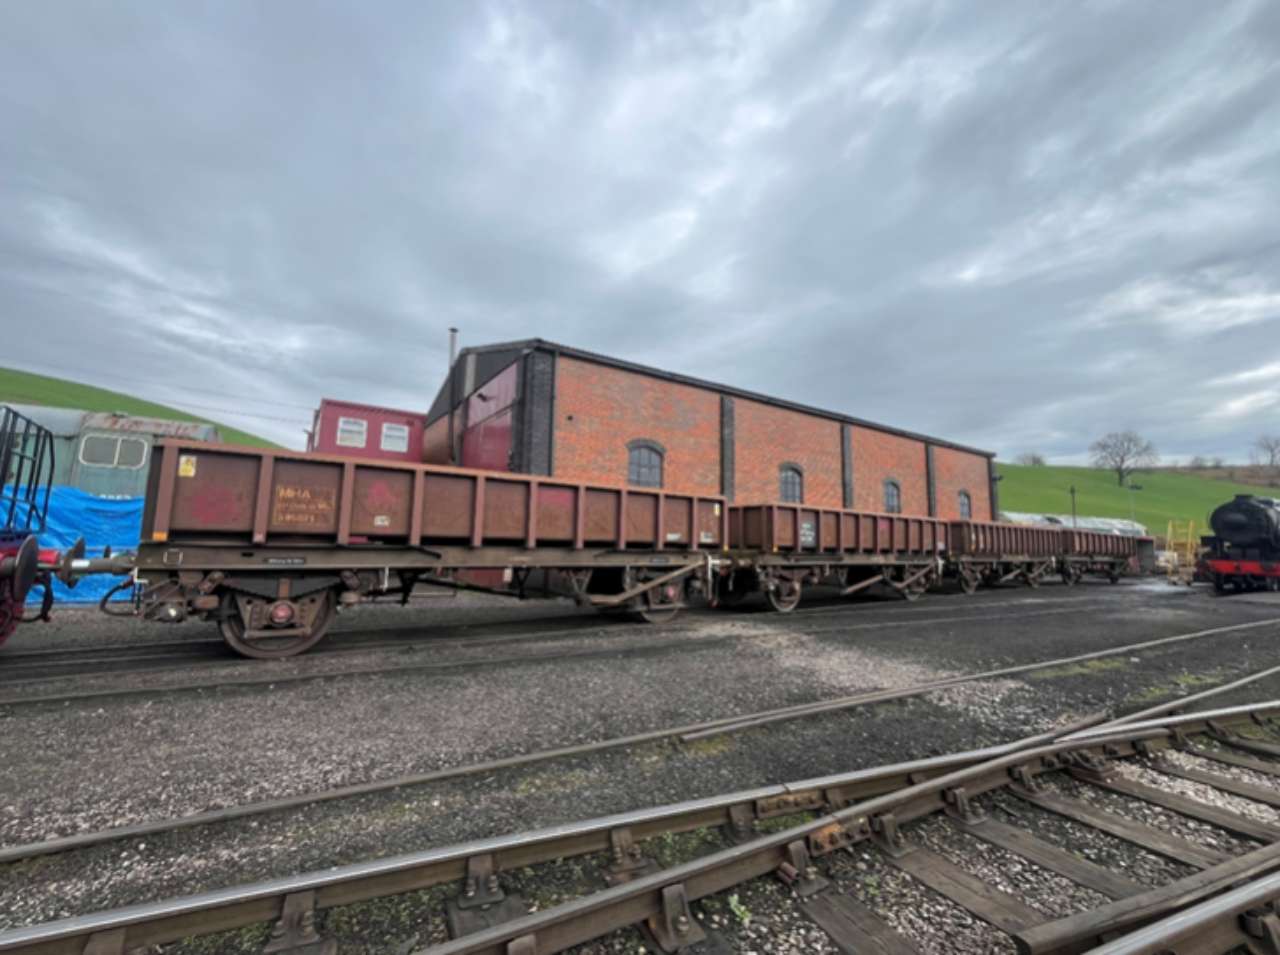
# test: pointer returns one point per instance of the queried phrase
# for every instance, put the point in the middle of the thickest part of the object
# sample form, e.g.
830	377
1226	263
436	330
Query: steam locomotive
1244	551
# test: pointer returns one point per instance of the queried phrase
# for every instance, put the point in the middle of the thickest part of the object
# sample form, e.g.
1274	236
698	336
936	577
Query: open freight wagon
271	544
779	548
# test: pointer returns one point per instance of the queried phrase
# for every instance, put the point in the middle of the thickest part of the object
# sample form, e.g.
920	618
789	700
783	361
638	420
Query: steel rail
1181	703
279	679
155	923
581	920
1076	933
687	732
1212	922
807	709
1203	717
881	789
18	853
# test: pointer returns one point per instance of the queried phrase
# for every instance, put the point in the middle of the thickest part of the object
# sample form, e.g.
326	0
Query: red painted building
540	408
346	427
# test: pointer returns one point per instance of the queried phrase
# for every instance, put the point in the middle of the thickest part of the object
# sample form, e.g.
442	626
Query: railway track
232	672
22	667
1051	802
683	734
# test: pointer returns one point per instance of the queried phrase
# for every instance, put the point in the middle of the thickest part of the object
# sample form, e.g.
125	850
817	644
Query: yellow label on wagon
186	465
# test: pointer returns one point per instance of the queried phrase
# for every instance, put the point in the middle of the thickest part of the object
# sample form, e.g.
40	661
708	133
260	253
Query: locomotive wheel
263	646
783	595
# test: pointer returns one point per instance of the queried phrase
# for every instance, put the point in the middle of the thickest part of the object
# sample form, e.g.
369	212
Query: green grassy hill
1165	495
25	388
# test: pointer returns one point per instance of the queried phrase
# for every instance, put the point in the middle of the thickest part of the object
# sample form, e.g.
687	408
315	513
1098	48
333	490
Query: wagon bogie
268	629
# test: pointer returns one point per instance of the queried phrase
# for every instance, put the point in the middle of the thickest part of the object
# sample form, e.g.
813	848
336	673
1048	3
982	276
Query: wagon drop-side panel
263	496
798	529
600	522
382	503
304	498
446	506
213	493
990	540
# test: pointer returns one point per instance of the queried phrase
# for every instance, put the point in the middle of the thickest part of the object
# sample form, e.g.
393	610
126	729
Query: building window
791	484
644	463
966	505
352	432
395	437
892	497
110	451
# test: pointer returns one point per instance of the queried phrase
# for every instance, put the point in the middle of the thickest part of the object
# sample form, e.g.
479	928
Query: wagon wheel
1113	576
1070	576
968	581
262	645
1031	578
783	594
660	604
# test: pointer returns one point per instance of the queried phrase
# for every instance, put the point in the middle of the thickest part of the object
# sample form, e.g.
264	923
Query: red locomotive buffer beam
271	544
1241	575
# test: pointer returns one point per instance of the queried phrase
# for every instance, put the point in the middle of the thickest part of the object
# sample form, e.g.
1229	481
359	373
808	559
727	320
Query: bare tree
1030	459
1123	452
1197	463
1268	448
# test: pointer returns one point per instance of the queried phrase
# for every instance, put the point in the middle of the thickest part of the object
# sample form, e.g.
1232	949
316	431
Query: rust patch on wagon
298	506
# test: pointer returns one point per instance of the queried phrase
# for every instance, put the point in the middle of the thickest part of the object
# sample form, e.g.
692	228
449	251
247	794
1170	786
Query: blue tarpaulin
102	522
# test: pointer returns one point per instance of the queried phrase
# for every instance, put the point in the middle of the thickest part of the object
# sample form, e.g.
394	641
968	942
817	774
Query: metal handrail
26	474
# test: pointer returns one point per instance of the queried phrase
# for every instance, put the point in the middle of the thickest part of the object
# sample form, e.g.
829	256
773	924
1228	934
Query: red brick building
541	408
346	427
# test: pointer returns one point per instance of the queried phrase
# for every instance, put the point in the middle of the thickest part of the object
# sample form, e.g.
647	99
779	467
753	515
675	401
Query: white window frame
119	439
402	441
351	424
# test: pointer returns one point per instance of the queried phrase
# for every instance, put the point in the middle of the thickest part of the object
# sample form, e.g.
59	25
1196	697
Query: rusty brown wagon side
777	548
992	552
1093	552
271	543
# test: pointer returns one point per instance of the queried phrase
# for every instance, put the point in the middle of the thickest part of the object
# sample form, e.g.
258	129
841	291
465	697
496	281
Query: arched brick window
966	505
791	484
644	463
892	497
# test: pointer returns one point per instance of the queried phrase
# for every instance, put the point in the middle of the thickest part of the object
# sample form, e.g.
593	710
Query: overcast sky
1016	225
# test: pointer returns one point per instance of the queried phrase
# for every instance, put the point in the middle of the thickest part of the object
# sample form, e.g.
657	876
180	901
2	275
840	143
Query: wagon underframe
279	601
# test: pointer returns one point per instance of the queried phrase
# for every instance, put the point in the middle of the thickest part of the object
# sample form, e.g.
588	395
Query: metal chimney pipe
453	345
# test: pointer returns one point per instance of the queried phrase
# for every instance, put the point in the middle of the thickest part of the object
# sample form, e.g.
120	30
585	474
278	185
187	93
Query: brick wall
599	409
956	471
878	456
765	437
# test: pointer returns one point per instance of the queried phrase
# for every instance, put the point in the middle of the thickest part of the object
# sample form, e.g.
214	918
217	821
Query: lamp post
1132	488
1073	506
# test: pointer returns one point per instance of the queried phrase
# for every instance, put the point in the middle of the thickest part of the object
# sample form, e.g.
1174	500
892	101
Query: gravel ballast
76	768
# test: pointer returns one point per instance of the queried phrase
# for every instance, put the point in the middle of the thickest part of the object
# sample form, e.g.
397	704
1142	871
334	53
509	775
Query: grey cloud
1014	227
